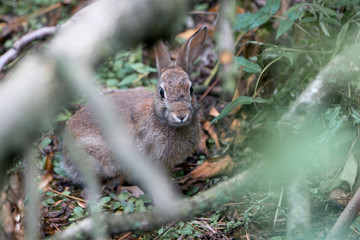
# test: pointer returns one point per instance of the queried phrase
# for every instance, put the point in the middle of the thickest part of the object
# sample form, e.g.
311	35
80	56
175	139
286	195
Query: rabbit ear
191	49
162	56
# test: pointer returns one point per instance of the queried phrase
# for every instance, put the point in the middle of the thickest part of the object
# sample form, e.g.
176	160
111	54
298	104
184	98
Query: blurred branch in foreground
44	83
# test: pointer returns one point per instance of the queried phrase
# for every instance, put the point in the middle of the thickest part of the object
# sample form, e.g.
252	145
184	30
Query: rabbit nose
182	116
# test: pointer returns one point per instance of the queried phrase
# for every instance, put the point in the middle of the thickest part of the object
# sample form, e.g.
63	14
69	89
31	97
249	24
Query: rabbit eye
191	90
162	92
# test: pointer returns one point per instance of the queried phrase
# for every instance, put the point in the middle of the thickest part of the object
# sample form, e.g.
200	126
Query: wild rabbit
164	124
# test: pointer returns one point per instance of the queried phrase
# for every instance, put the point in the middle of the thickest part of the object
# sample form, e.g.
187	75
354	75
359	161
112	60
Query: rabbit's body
164	125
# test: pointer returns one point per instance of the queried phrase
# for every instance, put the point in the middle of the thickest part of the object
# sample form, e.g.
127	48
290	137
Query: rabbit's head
175	102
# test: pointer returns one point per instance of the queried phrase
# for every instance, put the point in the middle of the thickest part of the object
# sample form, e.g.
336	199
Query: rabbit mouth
177	120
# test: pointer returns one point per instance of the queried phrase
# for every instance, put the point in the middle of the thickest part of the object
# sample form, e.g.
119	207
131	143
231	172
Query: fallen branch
346	218
183	210
20	44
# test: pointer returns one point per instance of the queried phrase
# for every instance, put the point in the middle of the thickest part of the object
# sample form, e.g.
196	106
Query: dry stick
66	195
209	89
38	13
346	218
19	45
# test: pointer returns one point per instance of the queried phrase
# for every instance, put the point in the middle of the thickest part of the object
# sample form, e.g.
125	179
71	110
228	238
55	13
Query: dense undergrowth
278	51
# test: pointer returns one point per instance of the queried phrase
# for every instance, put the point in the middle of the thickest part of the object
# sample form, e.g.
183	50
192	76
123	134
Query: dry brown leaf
235	124
214	112
187	34
57	202
214	9
48	162
225	139
82	204
45	181
13	209
239	10
340	196
201	148
211	130
211	169
226	57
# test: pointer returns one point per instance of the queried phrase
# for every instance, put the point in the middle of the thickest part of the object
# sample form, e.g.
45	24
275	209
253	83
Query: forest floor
274	70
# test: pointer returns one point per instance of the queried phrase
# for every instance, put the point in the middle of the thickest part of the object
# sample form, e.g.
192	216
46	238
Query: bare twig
346	218
66	195
20	44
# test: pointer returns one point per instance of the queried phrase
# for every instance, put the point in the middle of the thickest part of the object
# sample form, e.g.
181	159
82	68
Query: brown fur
165	129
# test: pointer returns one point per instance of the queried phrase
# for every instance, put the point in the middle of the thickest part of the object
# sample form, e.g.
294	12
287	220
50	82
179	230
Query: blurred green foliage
126	69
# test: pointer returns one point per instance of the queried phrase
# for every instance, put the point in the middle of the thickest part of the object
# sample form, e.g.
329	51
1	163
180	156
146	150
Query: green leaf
330	20
115	205
79	211
248	65
124	196
105	200
137	66
349	171
112	82
45	142
128	80
295	11
258	20
243	21
50	201
145	198
66	192
284	25
243	100
247	21
272	6
62	117
324	10
192	190
290	56
118	64
324	29
308	20
187	230
147	69
128	207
